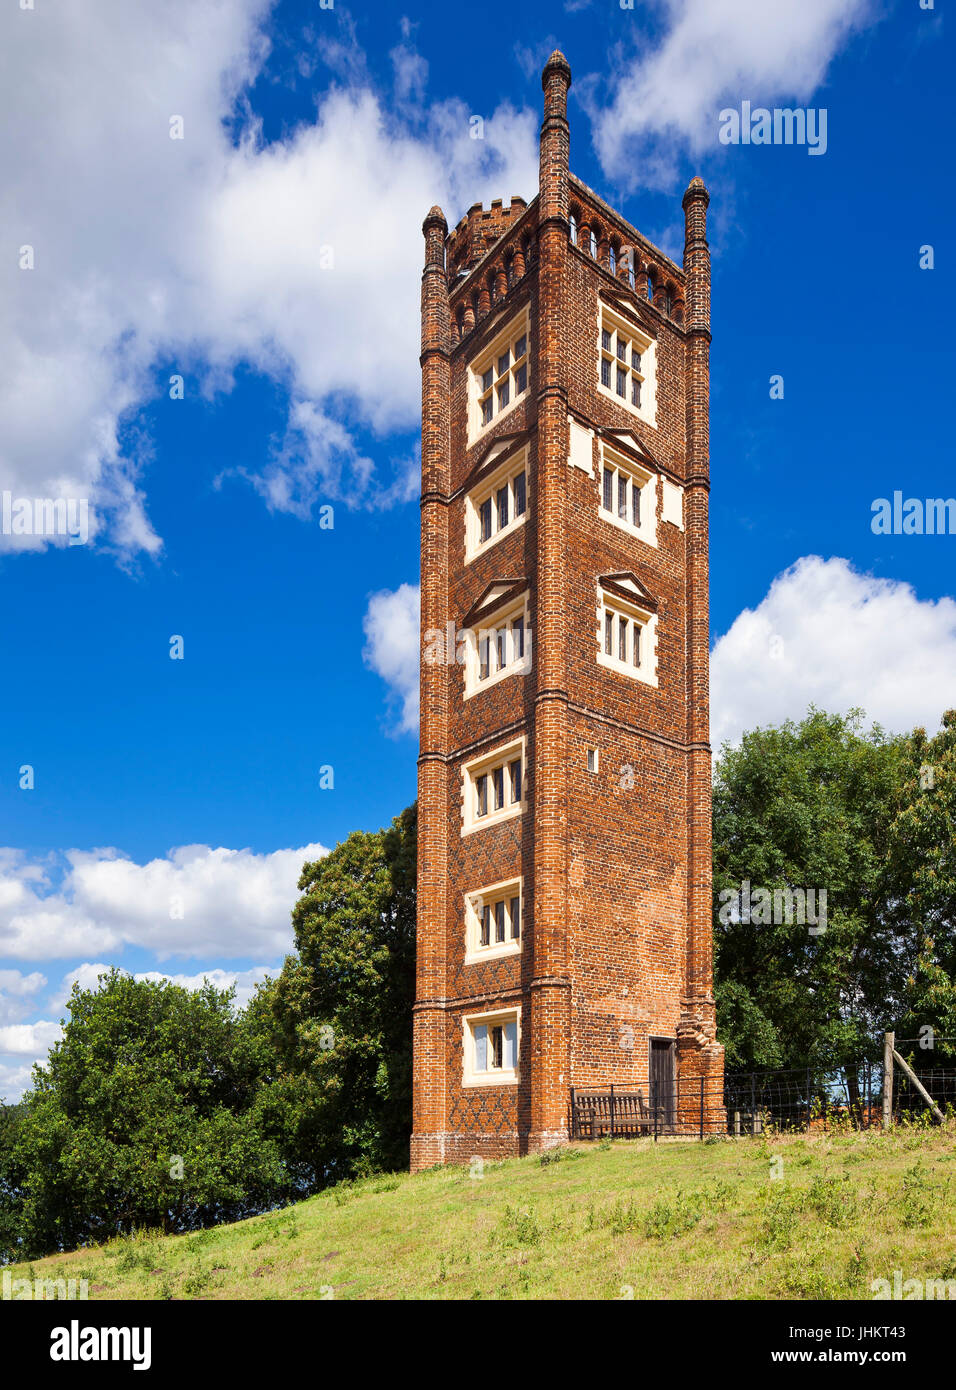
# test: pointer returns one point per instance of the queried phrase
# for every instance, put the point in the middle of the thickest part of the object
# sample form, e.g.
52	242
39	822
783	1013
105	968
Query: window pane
486	925
606	339
612	260
608	499
635	504
510	1059
502	647
521	346
504	394
497	1048
515	918
621	380
622	639
622	496
521	378
481	1047
499	922
486	378
498	777
637	644
502	507
609	634
516	780
635	359
517	628
484	516
504	362
487	409
483	794
622	347
520	495
635	391
605	371
484	658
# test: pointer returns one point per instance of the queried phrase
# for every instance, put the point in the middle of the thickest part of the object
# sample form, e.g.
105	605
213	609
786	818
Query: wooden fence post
889	1043
919	1085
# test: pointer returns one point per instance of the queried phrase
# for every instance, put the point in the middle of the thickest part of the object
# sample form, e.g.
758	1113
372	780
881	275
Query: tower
564	871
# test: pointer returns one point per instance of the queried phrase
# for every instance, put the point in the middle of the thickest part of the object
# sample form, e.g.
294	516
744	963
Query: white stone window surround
647	481
490	1076
491	894
487	488
486	627
614	321
635	612
517	326
502	756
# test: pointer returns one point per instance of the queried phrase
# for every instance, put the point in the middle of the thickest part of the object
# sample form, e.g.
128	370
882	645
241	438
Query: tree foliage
338	1018
144	1116
824	805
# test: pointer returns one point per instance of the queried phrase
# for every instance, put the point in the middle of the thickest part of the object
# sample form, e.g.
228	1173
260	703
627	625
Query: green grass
631	1219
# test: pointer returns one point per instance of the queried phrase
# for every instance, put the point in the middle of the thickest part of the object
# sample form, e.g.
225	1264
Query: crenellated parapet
510	244
623	253
478	231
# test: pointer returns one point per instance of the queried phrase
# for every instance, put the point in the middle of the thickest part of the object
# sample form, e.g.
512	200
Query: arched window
612	258
460	317
510	269
631	277
593	242
573	226
669	300
650	284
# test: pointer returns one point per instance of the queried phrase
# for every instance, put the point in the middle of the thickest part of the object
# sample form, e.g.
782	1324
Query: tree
143	1117
806	807
338	1019
922	865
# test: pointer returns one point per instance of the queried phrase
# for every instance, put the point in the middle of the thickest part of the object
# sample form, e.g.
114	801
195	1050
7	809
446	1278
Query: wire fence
795	1100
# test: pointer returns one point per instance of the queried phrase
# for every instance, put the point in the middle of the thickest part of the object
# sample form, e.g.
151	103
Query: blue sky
308	128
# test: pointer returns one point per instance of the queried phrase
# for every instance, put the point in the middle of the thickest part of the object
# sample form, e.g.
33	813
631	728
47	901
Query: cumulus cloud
29	1039
197	901
299	257
827	635
713	53
392	647
16	994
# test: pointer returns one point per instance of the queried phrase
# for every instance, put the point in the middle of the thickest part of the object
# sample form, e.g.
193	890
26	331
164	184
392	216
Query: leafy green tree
922	864
11	1182
338	1019
143	1117
806	806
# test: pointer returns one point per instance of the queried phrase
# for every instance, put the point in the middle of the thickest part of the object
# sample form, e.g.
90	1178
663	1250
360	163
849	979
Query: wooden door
661	1082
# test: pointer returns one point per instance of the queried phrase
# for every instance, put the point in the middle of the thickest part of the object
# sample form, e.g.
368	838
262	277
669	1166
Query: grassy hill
819	1216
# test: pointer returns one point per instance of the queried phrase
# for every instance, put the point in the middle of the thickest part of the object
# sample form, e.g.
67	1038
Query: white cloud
16	994
196	902
714	53
391	627
14	1079
828	635
29	1039
245	981
198	254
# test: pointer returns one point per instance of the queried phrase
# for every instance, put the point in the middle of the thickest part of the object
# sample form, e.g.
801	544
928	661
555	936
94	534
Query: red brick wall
616	877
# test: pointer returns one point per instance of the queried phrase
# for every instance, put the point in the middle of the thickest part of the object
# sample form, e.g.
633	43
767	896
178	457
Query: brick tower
564	871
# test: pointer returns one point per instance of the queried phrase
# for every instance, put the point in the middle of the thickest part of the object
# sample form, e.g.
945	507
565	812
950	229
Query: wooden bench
593	1115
